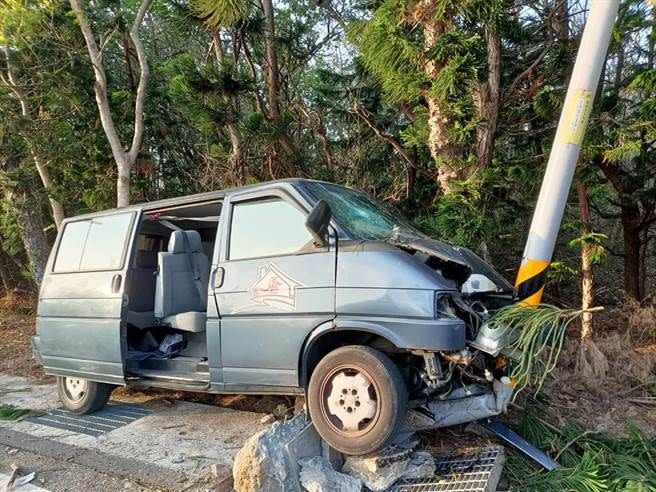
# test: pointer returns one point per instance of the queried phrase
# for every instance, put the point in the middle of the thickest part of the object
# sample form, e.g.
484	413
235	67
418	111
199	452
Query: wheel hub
76	388
350	400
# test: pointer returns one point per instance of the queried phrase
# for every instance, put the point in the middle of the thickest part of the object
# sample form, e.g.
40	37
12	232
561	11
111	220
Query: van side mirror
318	221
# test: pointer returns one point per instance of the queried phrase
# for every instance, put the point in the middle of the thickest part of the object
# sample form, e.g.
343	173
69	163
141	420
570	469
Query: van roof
200	197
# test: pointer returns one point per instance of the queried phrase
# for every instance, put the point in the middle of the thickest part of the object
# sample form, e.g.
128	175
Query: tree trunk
273	84
591	363
631	220
57	208
125	44
560	24
631	230
34	239
236	160
259	103
5	275
124	160
446	154
488	100
123	182
587	279
632	243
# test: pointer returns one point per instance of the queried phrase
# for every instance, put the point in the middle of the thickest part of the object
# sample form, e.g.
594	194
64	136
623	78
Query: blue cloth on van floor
170	347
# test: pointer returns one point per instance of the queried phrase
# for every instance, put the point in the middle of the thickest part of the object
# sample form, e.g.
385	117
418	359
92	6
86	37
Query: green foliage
539	333
220	13
13	414
548	102
459	218
561	272
594	243
591	462
391	52
390	56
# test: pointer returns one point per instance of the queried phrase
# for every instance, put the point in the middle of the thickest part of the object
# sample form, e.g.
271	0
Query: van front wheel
82	396
357	399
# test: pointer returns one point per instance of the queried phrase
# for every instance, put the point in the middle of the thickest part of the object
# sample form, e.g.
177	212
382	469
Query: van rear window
94	244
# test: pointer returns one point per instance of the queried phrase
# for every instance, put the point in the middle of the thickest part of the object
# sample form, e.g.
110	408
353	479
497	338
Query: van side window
269	227
94	244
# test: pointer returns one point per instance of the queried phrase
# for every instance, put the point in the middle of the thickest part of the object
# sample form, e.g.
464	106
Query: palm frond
220	13
540	332
12	413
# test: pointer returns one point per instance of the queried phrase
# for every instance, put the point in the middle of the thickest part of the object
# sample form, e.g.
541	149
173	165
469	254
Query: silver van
294	287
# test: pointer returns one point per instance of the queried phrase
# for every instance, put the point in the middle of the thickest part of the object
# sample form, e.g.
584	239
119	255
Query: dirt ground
15	333
626	395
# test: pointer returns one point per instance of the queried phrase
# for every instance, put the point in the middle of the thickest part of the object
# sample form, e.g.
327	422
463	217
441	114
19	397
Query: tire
357	399
82	396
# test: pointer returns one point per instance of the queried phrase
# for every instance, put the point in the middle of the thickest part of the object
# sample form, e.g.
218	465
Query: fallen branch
645	400
570	443
12	478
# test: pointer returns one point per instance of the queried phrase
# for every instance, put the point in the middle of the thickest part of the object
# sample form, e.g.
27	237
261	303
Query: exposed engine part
474	314
432	366
462	358
493	341
473	377
433	374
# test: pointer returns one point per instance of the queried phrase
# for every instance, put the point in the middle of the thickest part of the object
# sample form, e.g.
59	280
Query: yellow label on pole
576	113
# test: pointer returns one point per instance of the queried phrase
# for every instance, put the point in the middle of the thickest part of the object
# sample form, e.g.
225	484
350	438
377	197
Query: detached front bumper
463	405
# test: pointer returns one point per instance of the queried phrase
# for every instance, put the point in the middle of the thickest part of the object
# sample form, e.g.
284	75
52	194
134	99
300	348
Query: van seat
182	281
141	291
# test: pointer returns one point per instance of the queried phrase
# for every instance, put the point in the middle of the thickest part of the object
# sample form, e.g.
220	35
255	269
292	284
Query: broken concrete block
317	475
263	464
422	465
379	471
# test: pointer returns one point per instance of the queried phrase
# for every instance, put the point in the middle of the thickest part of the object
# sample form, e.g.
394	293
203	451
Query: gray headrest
145	259
177	242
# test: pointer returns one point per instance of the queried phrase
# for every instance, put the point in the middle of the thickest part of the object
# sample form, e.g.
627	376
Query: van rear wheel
357	399
82	396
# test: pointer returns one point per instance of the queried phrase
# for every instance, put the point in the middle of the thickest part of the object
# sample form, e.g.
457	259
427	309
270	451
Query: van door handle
216	278
116	283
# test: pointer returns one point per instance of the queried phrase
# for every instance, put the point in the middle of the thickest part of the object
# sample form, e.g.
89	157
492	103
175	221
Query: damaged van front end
426	304
471	383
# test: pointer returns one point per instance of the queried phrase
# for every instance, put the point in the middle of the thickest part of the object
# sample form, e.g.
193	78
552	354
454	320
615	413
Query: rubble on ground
318	475
290	456
262	463
378	472
422	465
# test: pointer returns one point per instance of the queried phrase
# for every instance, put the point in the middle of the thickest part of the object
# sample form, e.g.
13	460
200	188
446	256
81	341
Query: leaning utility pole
565	151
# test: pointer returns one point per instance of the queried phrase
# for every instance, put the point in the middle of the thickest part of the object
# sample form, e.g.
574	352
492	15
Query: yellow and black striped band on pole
530	282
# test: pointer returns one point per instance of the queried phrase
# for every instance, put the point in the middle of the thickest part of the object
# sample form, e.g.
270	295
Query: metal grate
478	472
111	417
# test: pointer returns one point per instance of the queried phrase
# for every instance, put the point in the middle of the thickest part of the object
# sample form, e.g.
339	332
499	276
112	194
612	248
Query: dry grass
626	336
18	302
641	322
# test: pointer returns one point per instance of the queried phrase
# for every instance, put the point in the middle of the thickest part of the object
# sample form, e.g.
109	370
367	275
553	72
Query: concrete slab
23	393
183	437
28	487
